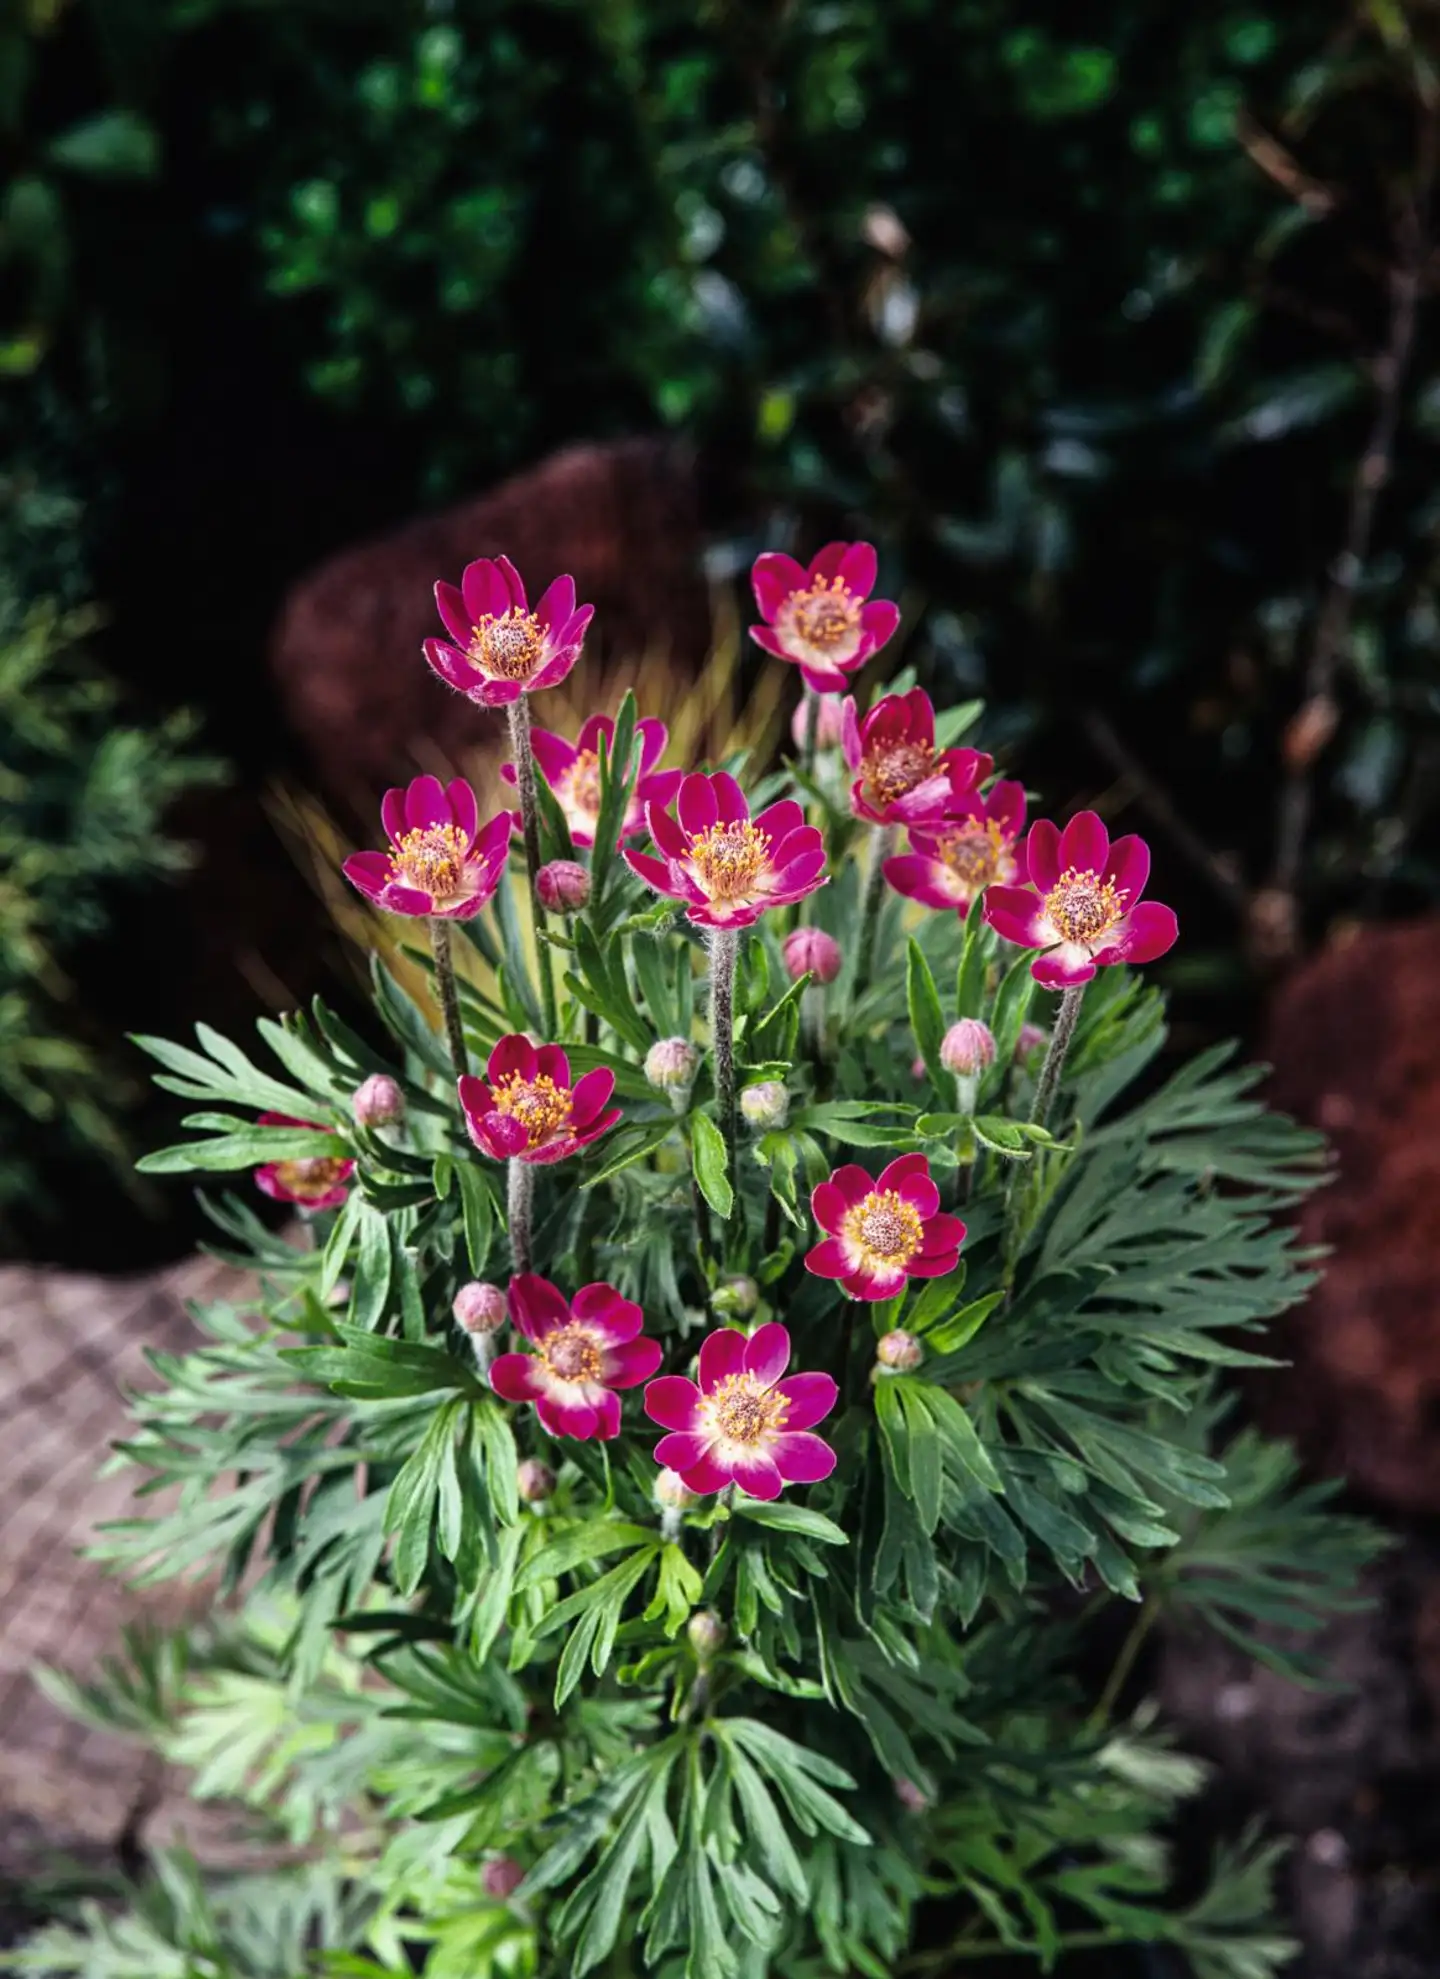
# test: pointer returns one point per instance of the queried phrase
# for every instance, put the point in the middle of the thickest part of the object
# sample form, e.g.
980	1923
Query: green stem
1125	1662
520	1212
1046	1088
523	752
724	950
880	848
1069	1941
448	997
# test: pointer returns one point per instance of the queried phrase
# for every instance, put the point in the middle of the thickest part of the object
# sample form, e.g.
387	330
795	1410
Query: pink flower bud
671	1065
913	1799
502	1877
967	1048
899	1351
765	1106
737	1296
563	886
378	1103
707	1633
535	1481
479	1308
673	1492
1031	1037
919	1069
811	951
830	732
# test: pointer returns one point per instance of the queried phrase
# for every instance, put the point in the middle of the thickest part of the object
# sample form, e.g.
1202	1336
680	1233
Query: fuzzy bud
967	1048
830	729
737	1297
913	1799
810	951
378	1103
502	1877
899	1351
535	1481
563	886
479	1308
674	1493
707	1634
919	1069
670	1066
1031	1037
765	1106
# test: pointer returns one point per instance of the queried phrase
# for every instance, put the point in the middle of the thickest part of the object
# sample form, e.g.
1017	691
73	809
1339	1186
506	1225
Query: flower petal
557	602
754	1471
773	578
425	804
767	1352
906	1168
451	607
800	1458
464	811
1128	868
829	1259
698	807
512	1053
1006	806
484	590
551	1063
553	753
655	872
681	1450
731	807
879	621
591	1096
1084	844
779	821
572	1418
1151	930
858	568
942	1233
1042	853
810	1397
515	1377
536	1306
673	1401
1018	914
853	1182
611	1317
722	1354
1065	967
628	1365
710	1474
828	1206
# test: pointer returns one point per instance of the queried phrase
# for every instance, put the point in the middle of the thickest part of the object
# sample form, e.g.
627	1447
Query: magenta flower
742	1424
881	1233
313	1181
525	1105
819	617
952	861
572	770
902	780
585	1351
727	867
501	649
1086	911
440	861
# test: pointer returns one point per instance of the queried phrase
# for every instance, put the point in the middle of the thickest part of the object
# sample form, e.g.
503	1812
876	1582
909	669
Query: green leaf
954	1333
116	144
927	1020
478	1210
783	1516
590	1540
707	1150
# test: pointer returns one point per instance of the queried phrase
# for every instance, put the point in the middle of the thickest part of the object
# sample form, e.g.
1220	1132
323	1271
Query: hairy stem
520	1212
724	949
523	752
882	843
1054	1065
448	997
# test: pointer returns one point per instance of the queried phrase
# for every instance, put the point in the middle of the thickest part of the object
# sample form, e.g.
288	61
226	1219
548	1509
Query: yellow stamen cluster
1082	907
582	785
826	614
313	1177
507	647
743	1410
894	770
976	853
571	1354
728	859
541	1107
433	859
886	1226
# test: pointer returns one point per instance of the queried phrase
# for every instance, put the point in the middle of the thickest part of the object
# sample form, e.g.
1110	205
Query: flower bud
811	951
899	1351
674	1493
379	1102
967	1048
707	1634
919	1069
737	1297
829	731
765	1106
563	886
1031	1037
535	1481
670	1066
479	1308
502	1877
913	1799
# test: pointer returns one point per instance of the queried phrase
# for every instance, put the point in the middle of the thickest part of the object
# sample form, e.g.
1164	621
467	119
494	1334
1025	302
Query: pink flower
501	648
572	770
742	1424
1086	911
525	1105
830	727
882	1233
902	780
440	861
727	867
819	617
313	1181
952	861
584	1352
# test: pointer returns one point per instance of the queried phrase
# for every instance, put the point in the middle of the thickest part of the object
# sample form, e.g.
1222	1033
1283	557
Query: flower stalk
523	752
520	1212
1060	1038
882	845
724	951
447	994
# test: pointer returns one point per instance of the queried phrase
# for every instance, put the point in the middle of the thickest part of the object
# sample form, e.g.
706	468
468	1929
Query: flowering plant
662	1513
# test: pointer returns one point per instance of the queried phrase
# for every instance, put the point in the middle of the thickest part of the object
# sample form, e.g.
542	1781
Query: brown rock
623	518
1355	1043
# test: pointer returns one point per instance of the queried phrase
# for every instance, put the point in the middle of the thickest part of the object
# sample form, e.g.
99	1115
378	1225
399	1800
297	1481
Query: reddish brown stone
622	518
1355	1042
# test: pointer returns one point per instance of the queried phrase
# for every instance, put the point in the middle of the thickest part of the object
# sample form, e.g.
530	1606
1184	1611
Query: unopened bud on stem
379	1102
535	1481
670	1067
810	951
899	1352
766	1106
563	886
